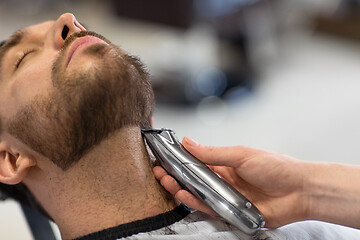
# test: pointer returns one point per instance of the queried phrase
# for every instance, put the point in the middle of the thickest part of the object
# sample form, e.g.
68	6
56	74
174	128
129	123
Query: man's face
63	90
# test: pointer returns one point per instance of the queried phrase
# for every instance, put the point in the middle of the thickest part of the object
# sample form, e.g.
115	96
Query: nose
63	27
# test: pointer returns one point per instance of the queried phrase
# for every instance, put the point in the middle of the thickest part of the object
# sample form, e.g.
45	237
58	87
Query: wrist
331	194
307	171
311	185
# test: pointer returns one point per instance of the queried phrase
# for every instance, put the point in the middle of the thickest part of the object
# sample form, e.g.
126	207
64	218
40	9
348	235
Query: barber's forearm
334	193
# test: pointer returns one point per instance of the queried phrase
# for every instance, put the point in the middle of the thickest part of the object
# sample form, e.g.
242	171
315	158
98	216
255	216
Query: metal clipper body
201	181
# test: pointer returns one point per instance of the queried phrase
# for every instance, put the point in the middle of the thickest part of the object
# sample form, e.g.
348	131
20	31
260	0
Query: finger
191	201
219	156
159	172
170	184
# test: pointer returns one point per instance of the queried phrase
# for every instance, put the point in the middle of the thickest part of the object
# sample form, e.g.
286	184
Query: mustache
80	34
56	67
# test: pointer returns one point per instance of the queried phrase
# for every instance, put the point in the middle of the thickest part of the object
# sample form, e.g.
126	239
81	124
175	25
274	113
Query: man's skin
112	183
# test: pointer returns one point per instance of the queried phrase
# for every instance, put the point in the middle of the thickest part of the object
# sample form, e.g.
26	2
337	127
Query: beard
86	106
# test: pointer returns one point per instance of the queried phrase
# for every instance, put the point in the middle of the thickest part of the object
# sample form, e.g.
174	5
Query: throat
104	211
112	185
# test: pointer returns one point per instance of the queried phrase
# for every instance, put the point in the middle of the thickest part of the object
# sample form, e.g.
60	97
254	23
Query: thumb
218	156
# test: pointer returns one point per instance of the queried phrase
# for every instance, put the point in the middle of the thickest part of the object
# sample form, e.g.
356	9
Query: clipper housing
201	181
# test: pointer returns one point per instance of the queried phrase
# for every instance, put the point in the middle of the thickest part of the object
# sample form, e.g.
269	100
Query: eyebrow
14	40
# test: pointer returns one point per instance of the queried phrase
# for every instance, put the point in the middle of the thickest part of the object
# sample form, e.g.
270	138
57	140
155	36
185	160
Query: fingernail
191	142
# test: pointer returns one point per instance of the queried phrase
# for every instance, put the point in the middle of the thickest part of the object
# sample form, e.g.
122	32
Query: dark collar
145	225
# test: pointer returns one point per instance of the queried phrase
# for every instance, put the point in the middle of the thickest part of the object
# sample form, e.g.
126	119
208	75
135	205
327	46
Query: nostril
64	32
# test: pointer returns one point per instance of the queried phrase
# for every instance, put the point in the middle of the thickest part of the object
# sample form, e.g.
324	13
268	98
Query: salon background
272	74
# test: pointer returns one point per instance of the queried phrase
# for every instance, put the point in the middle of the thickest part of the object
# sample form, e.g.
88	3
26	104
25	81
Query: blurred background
272	74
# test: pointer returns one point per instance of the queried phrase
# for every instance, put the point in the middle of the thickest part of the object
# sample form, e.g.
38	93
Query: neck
111	185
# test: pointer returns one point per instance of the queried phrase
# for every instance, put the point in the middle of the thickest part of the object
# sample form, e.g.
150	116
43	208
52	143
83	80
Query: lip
80	44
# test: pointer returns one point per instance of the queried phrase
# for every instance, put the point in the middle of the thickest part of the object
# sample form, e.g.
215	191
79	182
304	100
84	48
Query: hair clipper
201	181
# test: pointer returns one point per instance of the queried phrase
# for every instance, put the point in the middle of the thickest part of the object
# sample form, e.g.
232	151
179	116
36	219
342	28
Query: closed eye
20	59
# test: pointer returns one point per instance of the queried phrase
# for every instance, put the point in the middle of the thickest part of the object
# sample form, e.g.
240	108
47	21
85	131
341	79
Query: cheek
33	80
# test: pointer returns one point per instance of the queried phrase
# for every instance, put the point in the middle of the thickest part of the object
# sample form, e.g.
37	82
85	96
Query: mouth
80	44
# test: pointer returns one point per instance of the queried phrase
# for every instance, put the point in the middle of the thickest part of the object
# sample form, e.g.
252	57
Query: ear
13	165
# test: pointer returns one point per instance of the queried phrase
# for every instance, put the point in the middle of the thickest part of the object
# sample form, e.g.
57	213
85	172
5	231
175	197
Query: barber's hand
274	183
